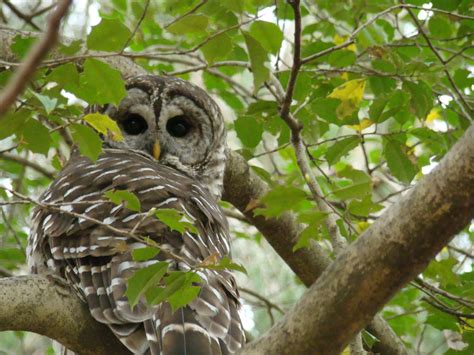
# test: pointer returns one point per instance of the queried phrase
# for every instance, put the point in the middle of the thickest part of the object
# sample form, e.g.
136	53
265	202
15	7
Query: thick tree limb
397	247
41	305
16	85
241	187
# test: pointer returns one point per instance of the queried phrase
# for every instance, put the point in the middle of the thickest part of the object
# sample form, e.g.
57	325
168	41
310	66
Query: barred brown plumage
88	240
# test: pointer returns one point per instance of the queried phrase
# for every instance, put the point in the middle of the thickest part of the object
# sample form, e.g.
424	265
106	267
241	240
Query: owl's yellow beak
156	150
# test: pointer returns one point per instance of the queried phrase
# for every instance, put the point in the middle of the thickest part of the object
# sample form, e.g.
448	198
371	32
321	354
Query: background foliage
382	96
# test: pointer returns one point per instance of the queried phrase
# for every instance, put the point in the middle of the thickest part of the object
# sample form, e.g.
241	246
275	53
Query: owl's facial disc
175	122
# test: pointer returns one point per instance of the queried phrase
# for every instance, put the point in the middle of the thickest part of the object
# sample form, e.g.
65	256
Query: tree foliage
383	92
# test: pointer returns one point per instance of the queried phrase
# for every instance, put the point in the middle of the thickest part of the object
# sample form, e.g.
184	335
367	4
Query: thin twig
41	11
285	98
443	63
21	15
21	77
26	162
351	38
262	298
461	251
194	9
448	310
137	26
464	301
6	150
15	235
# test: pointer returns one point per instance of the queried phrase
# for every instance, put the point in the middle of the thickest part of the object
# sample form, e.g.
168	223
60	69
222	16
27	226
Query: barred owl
172	156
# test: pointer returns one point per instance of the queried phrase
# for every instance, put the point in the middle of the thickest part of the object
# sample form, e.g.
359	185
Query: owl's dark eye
134	124
178	126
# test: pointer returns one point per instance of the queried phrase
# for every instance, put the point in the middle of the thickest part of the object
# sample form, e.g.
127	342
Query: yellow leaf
345	76
105	125
363	125
433	115
362	226
350	94
346	351
340	40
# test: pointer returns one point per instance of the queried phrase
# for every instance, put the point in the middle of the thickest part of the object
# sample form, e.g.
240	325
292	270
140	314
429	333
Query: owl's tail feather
132	335
181	334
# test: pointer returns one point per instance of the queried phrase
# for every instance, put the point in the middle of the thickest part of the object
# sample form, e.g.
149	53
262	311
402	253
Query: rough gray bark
44	306
397	247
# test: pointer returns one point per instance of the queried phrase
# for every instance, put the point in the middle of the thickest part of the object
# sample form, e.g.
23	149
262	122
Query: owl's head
175	122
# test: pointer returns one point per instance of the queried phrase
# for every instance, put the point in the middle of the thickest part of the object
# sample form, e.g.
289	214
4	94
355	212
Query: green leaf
36	136
439	27
263	174
223	264
314	220
22	44
263	107
89	143
70	48
48	103
105	125
381	84
343	58
100	84
441	320
124	196
143	280
315	47
421	97
146	253
377	108
279	200
183	297
193	23
361	185
447	5
267	34
463	79
66	75
13	122
442	271
341	148
384	66
364	207
176	220
249	131
217	48
176	290
398	163
326	108
109	35
258	57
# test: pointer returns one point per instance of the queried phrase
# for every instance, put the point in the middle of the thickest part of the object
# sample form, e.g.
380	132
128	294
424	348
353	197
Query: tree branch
28	163
39	304
20	14
21	77
241	187
397	247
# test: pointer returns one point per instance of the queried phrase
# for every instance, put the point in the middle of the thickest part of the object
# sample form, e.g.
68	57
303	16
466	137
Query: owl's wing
83	243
